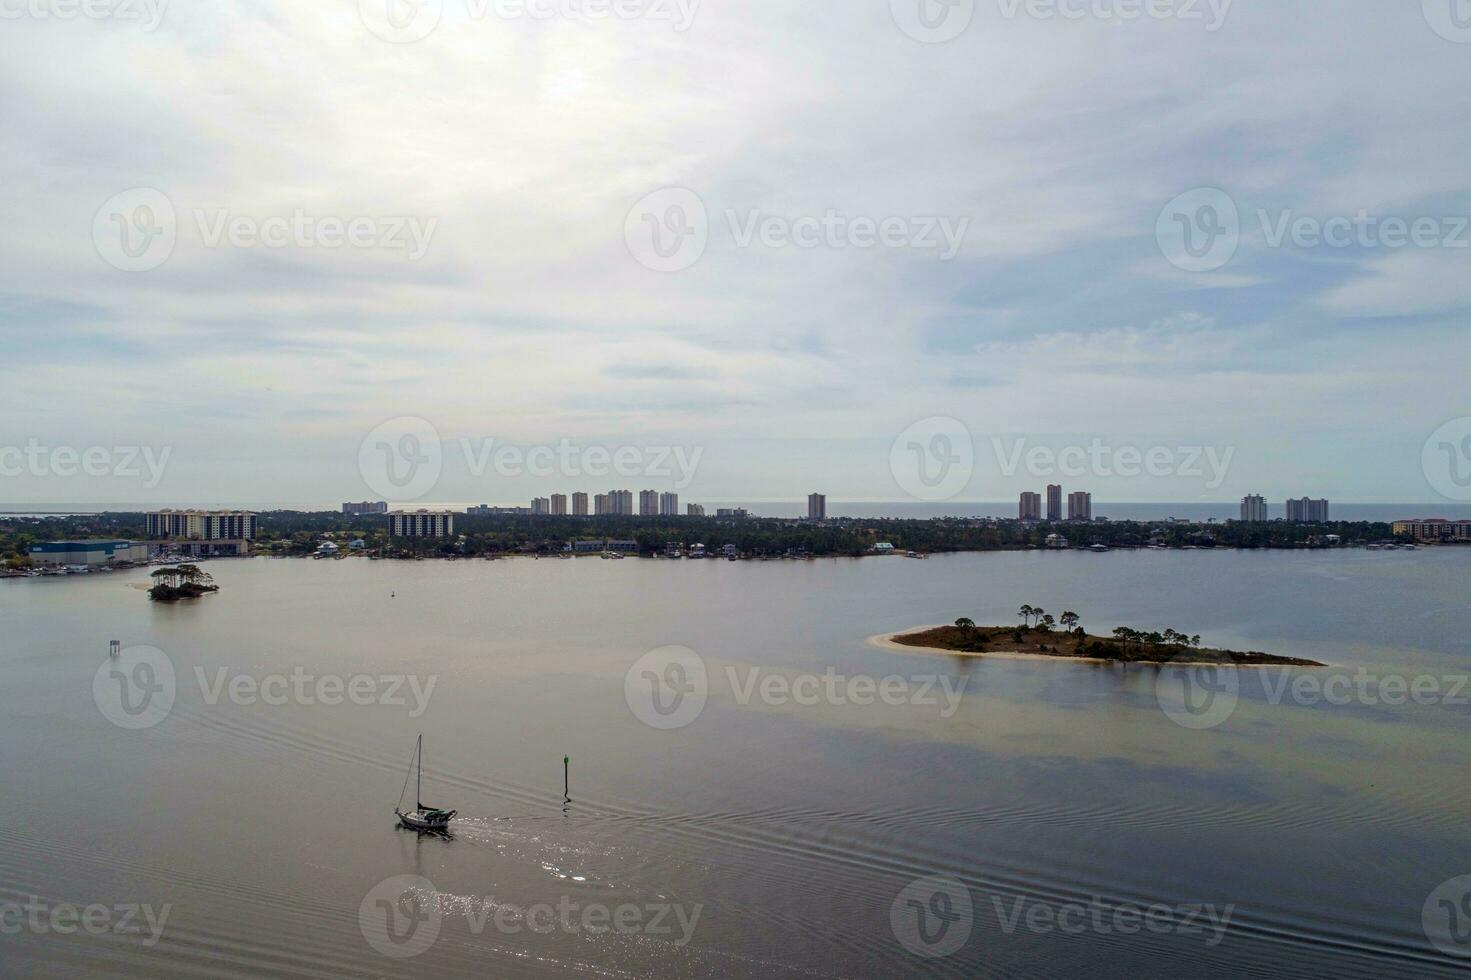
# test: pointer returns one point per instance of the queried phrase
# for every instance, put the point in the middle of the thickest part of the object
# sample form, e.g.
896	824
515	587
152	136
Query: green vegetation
296	534
1127	646
291	533
181	582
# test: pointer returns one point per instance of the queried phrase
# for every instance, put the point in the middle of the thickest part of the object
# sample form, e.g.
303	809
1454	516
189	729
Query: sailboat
421	817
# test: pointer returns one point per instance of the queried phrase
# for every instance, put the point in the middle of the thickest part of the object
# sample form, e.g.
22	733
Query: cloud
527	141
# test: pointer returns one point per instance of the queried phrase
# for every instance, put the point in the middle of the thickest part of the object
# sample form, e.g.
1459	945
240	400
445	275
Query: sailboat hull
418	821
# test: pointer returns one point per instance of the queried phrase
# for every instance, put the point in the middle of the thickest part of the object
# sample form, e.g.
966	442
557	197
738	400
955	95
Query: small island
181	582
1043	636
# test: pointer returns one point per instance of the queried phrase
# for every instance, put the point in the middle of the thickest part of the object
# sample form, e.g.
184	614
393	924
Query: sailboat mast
419	779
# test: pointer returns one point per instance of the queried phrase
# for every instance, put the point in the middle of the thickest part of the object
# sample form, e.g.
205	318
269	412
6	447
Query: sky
484	250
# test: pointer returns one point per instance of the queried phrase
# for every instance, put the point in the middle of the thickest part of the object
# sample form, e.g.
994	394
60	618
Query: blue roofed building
99	552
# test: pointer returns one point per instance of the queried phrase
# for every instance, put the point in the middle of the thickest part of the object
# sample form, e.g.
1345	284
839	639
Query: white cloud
528	142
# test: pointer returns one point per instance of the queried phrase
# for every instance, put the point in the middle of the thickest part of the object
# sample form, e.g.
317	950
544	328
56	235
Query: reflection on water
773	834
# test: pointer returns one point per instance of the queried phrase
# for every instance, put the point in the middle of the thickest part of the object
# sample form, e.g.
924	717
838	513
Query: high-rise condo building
668	505
366	507
1306	510
541	506
817	506
1029	508
601	505
202	525
648	503
621	502
421	524
579	505
1080	506
1254	508
1054	501
695	510
559	504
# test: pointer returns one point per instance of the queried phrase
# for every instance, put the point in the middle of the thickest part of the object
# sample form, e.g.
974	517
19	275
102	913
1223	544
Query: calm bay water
781	832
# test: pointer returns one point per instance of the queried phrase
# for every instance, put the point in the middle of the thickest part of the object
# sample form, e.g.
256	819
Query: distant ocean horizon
912	510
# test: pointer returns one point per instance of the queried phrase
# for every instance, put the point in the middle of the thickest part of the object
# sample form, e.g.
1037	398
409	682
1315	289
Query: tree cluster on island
181	582
1063	636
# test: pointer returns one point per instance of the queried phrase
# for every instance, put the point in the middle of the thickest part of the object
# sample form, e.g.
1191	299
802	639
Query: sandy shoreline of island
885	641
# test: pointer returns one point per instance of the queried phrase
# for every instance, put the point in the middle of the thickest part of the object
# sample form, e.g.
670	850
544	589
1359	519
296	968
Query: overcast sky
246	236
